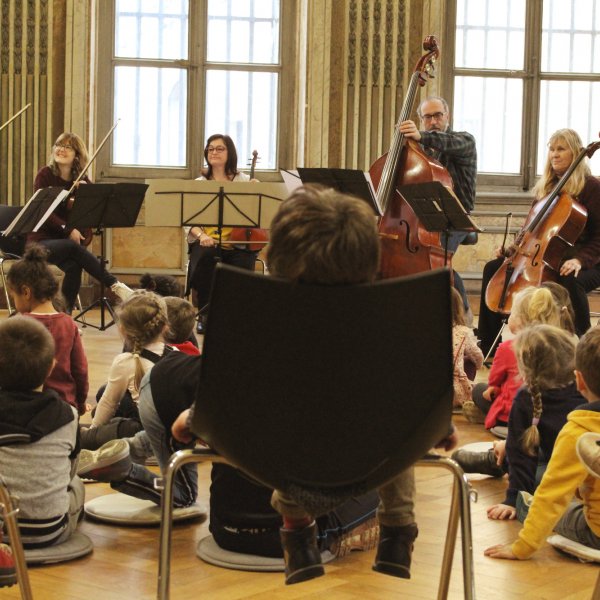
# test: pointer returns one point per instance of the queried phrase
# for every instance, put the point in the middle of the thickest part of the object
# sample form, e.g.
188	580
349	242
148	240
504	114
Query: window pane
569	36
243	31
151	29
244	106
490	109
152	106
573	104
490	34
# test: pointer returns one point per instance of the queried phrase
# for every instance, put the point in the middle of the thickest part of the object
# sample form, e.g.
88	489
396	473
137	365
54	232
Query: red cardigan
69	378
505	379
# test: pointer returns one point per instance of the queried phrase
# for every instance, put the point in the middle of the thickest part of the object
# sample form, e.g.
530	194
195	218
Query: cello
552	226
253	238
406	246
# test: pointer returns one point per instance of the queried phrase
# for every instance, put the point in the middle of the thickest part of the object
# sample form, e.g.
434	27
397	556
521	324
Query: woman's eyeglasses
215	149
64	146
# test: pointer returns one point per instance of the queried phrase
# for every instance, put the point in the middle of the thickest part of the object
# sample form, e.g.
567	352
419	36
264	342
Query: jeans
573	525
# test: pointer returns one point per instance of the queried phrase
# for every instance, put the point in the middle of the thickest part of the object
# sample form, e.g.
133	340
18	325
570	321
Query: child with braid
546	361
142	321
554	505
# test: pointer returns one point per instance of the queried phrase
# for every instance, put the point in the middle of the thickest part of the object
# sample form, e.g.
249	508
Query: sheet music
59	198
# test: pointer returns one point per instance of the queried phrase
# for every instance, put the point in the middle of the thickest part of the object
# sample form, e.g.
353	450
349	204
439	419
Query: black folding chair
326	391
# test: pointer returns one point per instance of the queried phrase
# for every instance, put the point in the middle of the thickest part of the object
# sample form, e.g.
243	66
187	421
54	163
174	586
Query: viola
260	237
406	246
553	225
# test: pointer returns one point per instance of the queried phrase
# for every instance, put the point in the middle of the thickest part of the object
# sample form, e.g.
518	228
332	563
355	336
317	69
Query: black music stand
102	205
438	209
348	181
37	210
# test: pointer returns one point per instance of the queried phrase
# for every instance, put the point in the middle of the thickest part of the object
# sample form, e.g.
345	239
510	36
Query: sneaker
588	450
301	554
478	462
8	573
523	504
395	549
121	290
111	462
362	537
472	412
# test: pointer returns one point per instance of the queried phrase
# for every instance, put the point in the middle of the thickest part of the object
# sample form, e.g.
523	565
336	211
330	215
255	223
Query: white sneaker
121	290
111	462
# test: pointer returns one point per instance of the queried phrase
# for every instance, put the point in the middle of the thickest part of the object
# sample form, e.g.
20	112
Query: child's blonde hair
142	319
182	318
534	305
563	300
546	359
457	306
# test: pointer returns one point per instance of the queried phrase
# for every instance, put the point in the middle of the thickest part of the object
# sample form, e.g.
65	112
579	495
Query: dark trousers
72	258
203	261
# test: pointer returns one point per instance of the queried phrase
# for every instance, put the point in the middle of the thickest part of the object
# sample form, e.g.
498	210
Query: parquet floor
123	565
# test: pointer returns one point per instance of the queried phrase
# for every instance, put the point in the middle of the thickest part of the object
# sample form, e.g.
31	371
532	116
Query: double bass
552	226
406	246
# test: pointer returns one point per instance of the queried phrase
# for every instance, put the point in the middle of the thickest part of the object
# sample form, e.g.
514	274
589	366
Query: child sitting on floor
546	359
554	506
182	321
33	288
40	468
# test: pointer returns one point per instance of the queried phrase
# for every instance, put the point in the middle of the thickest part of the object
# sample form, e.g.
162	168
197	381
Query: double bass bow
552	226
254	238
406	246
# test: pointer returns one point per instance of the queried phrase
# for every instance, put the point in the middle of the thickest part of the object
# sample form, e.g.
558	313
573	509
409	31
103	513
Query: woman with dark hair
65	250
204	248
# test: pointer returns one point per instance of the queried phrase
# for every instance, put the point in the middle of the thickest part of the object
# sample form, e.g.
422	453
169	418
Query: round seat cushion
583	553
210	552
76	546
121	509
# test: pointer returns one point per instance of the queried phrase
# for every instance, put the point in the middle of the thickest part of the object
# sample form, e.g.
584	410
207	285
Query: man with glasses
456	151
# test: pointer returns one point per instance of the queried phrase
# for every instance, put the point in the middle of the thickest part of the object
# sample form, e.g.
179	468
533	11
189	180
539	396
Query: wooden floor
123	565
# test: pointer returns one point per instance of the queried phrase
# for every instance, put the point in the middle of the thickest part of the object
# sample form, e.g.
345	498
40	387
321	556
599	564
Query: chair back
328	388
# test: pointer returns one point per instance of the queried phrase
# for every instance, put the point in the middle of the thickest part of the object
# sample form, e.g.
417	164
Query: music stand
37	210
101	205
438	209
348	181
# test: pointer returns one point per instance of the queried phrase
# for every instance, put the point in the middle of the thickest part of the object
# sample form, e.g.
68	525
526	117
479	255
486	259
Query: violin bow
89	164
15	116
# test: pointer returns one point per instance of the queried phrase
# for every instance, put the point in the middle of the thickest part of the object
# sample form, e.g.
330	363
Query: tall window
177	71
522	69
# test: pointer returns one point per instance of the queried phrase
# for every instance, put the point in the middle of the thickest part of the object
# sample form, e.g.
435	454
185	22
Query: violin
552	226
406	246
260	237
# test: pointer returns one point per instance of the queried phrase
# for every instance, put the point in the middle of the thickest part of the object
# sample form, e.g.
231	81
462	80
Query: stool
121	509
210	552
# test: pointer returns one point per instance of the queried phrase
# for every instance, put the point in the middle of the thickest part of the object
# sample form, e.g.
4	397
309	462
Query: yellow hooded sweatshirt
564	477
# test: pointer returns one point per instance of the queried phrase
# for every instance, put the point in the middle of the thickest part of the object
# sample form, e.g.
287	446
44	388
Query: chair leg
14	537
460	507
180	458
9	305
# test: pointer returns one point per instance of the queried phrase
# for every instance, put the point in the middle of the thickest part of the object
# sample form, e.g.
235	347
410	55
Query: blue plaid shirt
456	151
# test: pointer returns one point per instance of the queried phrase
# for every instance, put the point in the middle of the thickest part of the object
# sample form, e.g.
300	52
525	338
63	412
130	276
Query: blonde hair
81	154
142	319
546	360
457	306
536	305
565	306
570	138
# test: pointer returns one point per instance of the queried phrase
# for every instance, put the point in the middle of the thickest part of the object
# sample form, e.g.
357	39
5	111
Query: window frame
196	66
532	77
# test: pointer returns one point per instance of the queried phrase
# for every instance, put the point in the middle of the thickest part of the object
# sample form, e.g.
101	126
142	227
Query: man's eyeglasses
64	146
437	116
215	149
